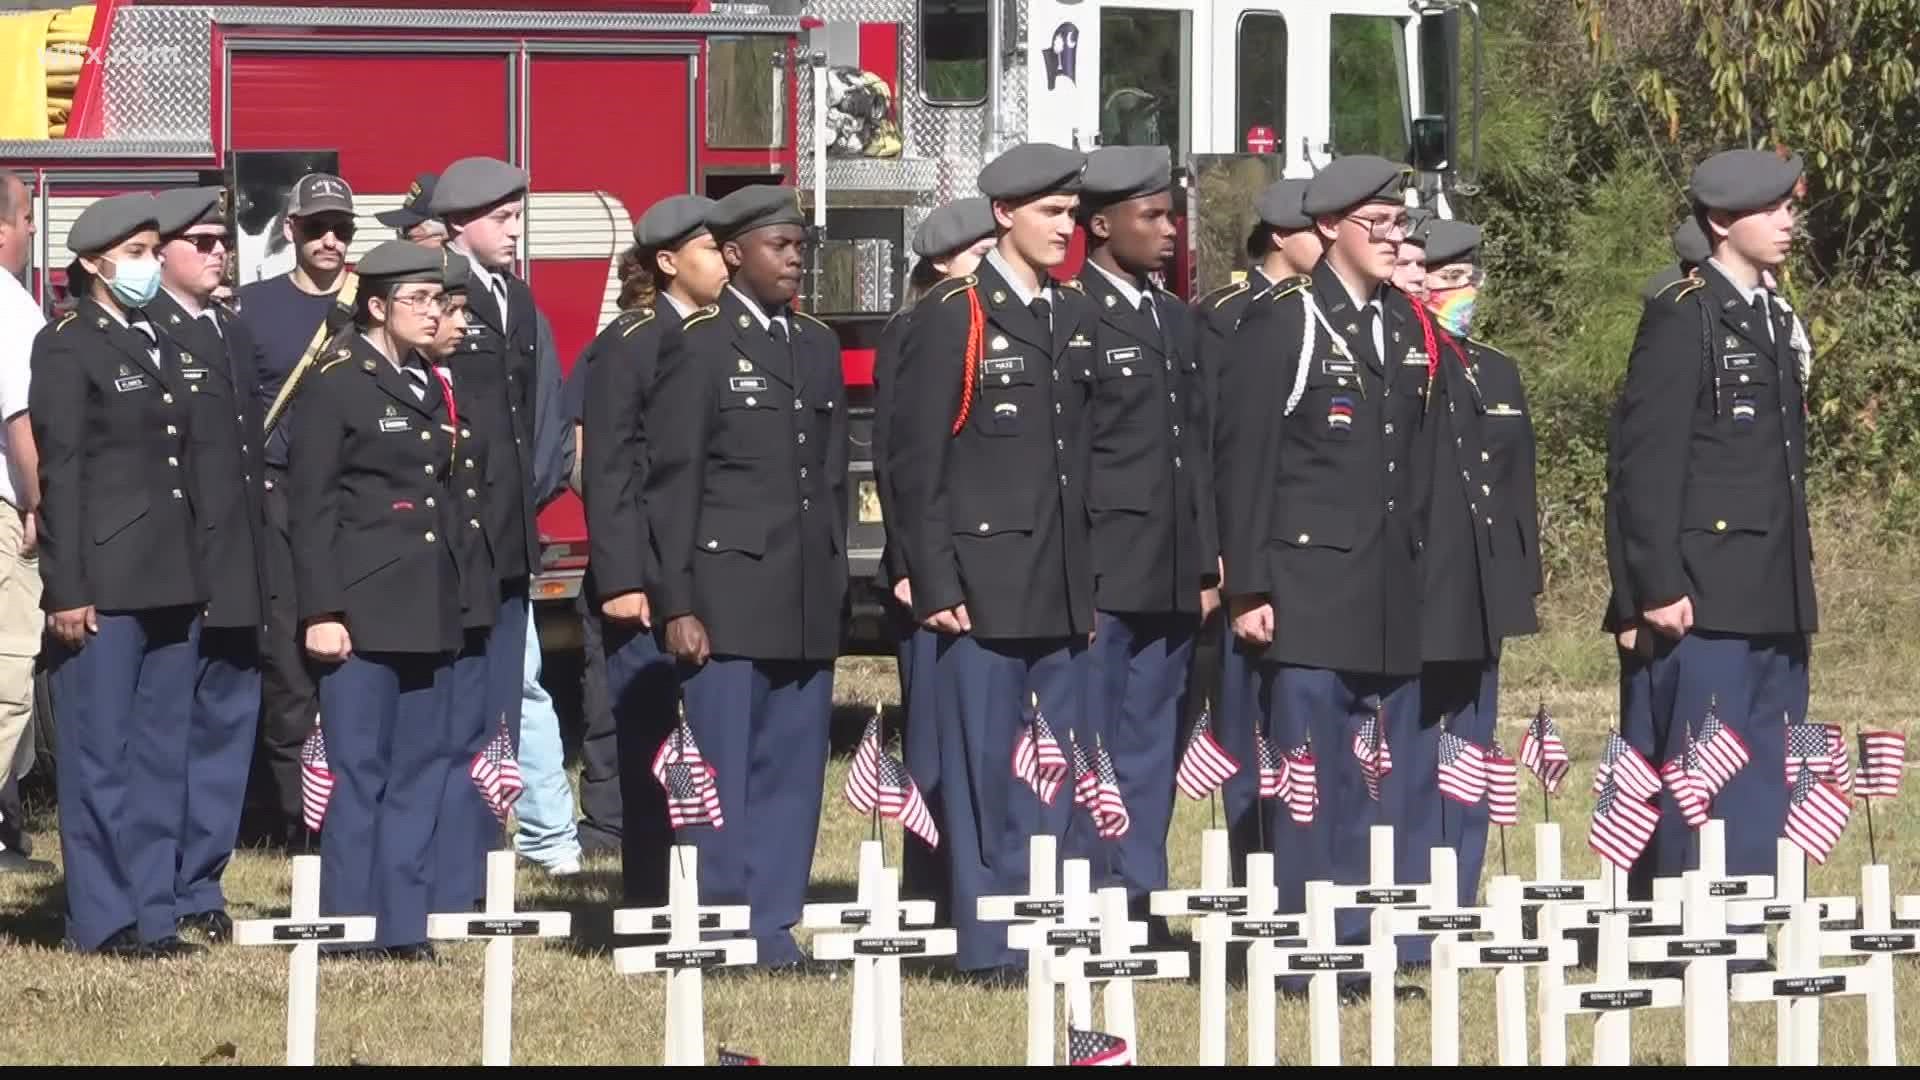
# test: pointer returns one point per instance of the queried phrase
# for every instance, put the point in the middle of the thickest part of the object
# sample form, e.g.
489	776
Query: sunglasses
311	229
204	243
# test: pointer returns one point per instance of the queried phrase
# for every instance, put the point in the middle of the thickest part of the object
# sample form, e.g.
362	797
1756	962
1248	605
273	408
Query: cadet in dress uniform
483	200
1155	558
1689	249
1713	588
681	271
988	454
123	589
1318	409
746	499
1284	246
950	244
229	467
1481	560
375	507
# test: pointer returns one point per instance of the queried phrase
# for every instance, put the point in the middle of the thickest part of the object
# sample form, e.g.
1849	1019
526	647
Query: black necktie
1043	311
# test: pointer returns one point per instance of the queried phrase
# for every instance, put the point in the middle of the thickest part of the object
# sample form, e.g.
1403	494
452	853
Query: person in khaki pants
20	617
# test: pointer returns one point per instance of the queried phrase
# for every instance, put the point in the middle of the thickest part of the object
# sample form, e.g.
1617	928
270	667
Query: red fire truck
878	109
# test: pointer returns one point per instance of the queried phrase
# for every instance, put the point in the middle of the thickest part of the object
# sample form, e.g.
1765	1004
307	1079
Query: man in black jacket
746	501
1712	563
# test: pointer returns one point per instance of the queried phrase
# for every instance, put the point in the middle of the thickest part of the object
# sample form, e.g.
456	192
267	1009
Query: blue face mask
135	281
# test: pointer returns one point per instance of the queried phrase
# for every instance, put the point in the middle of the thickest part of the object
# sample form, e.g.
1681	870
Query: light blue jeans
545	810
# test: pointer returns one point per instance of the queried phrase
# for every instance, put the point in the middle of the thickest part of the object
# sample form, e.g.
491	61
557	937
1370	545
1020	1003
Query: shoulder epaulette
338	357
1692	285
1226	292
813	320
62	325
1289	286
1074	284
705	314
954	288
636	319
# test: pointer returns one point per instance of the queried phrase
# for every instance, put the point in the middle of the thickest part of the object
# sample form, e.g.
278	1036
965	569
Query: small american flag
1375	756
316	780
1623	764
1205	765
1543	752
738	1057
1503	788
1303	784
496	773
1688	782
1086	1047
1816	815
1883	763
1622	825
1463	769
1722	751
1276	773
1038	760
691	783
1807	748
1097	789
878	781
1839	759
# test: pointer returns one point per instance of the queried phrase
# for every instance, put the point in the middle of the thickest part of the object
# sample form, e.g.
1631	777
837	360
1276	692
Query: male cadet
227	458
1713	584
1317	410
1690	250
642	687
746	499
1149	496
21	624
412	219
1284	246
990	467
1480	565
285	316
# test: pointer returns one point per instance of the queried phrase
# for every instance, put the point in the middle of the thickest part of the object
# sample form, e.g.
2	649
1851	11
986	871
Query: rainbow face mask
1453	308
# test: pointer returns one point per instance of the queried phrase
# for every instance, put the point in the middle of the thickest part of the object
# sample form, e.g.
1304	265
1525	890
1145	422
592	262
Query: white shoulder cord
1306	348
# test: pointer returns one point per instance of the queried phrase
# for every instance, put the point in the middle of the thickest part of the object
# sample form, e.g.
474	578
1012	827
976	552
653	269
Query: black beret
1349	181
755	206
1690	244
1118	173
108	221
953	227
1280	205
671	222
475	183
398	261
1744	179
182	208
414	210
1031	170
1419	220
1451	241
454	270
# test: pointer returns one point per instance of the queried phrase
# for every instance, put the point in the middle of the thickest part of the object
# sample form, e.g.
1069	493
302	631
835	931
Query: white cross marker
1380	896
1509	954
1798	982
1878	941
1263	930
1789	889
1705	947
499	926
304	930
1075	932
1322	959
1117	965
1612	995
685	955
875	945
1211	906
1042	907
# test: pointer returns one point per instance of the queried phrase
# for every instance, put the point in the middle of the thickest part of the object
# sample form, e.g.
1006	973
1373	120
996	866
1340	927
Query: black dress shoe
172	948
123	942
216	927
13	862
421	952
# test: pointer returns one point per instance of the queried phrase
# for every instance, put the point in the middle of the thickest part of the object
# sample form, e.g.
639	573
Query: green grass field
570	1006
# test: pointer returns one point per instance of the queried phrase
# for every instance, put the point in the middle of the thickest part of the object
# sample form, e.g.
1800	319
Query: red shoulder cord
976	325
1428	333
453	415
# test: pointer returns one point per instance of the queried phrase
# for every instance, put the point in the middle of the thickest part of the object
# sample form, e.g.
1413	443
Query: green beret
108	221
182	208
475	183
953	227
1280	205
1349	181
399	261
673	221
1118	173
1031	170
755	206
1451	241
1690	244
1744	179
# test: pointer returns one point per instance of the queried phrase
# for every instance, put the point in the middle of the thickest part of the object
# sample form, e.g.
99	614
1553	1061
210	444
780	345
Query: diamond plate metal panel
447	19
872	286
157	82
102	149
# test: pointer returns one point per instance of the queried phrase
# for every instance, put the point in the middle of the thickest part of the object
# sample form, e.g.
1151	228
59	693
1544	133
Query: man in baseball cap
413	219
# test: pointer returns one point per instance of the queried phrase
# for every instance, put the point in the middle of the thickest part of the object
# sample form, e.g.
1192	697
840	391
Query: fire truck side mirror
1431	138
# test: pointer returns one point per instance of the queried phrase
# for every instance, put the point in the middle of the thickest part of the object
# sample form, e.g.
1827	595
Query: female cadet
123	587
373	507
673	270
950	243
